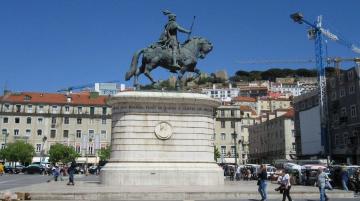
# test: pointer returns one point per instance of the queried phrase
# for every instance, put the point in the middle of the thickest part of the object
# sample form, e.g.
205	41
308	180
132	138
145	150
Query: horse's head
201	46
205	47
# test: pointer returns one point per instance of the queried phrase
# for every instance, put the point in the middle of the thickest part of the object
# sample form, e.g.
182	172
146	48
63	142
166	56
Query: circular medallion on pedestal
163	130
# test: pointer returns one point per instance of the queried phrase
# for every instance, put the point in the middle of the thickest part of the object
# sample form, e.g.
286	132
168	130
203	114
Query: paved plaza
88	188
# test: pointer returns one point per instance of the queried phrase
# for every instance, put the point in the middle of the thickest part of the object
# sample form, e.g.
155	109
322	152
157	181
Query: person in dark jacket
71	171
262	183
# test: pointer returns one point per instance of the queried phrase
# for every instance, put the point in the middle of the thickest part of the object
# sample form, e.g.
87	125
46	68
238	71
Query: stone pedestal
162	138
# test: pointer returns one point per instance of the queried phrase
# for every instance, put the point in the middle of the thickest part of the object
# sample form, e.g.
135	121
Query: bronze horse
155	55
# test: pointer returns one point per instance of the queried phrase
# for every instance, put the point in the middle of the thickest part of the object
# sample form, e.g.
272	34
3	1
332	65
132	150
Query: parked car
93	169
33	169
18	169
8	169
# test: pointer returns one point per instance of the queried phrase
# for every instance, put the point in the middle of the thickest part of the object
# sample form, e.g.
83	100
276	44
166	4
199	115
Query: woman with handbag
262	183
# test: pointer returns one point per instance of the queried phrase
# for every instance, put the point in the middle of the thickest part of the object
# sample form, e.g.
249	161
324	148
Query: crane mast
316	33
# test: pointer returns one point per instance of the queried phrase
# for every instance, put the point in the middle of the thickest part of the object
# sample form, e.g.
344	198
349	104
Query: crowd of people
324	180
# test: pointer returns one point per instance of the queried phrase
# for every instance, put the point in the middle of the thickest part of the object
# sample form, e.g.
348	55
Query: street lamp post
234	135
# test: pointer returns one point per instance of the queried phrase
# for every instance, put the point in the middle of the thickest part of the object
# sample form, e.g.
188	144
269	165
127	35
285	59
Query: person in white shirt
285	181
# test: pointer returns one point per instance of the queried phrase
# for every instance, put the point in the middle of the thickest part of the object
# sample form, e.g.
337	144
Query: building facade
80	120
222	93
344	115
228	122
309	144
273	138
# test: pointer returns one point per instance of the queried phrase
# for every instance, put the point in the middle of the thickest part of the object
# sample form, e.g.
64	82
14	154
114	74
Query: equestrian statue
168	53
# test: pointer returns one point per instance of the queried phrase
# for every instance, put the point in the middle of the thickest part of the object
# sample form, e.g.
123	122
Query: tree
216	153
104	154
19	151
61	153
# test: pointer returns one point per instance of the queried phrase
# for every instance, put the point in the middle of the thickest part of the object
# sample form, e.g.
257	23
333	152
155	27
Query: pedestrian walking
238	173
262	183
2	170
56	172
344	179
285	182
71	171
322	179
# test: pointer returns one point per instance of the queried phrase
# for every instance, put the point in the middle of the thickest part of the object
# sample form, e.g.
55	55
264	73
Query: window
233	124
67	109
353	111
78	133
80	110
350	75
54	109
222	113
40	120
223	150
91	134
103	120
27	132
90	149
352	89
4	132
18	108
92	110
232	112
38	148
232	151
66	120
39	132
104	110
103	134
223	136
7	107
29	109
53	120
41	109
52	133
16	132
293	146
28	120
6	120
66	134
2	146
343	112
333	95
17	120
78	148
78	120
222	124
342	92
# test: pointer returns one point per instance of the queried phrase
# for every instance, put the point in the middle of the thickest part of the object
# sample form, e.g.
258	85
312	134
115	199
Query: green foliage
61	153
216	153
104	154
19	151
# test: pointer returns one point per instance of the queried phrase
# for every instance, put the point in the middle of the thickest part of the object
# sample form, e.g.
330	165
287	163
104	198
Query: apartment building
309	143
228	122
269	104
273	138
222	93
81	120
344	115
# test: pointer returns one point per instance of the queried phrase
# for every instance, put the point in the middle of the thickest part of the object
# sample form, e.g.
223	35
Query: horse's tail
134	63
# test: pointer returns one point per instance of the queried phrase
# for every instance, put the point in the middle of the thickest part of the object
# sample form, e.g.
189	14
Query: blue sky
46	45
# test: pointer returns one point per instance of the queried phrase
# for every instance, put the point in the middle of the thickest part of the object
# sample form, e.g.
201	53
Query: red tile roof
290	113
83	98
244	99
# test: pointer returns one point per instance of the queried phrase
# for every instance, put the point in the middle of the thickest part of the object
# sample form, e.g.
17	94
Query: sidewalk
230	191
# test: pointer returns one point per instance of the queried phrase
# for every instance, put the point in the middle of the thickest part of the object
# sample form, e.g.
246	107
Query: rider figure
169	37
